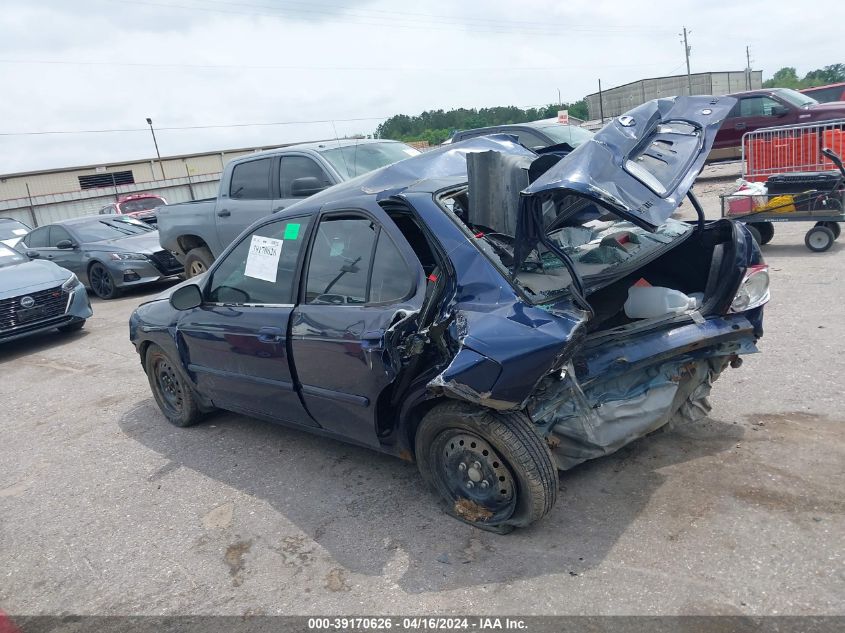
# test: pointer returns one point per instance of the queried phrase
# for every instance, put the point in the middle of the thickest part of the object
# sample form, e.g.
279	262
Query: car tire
766	230
101	281
492	469
833	226
755	233
819	239
72	327
197	261
170	389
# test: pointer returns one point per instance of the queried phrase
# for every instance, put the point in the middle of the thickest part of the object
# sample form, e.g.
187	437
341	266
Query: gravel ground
107	509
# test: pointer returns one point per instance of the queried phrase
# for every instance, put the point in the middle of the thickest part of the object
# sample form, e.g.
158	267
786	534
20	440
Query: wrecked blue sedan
493	315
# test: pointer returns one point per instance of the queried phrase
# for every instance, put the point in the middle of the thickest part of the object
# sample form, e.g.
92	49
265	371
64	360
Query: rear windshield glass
109	228
144	204
353	160
11	229
568	134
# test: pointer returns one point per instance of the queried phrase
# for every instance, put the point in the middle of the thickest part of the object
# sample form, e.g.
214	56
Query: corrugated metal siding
618	100
44	209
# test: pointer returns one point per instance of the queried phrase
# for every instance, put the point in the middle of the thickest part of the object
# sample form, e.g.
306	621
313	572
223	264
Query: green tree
786	77
436	126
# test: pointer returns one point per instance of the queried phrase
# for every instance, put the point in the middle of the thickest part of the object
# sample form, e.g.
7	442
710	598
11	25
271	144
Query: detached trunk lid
643	163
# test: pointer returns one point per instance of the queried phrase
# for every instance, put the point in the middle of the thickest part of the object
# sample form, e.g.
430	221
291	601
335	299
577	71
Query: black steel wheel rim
101	281
473	477
168	385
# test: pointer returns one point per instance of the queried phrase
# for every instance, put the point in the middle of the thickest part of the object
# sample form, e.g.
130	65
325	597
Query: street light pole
155	142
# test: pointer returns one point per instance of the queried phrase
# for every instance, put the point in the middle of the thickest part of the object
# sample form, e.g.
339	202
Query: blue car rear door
361	279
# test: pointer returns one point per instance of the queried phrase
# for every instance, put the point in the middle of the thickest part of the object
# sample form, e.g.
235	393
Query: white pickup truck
259	184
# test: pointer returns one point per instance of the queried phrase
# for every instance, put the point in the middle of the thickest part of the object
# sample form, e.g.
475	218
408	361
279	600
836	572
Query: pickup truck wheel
197	261
492	469
172	394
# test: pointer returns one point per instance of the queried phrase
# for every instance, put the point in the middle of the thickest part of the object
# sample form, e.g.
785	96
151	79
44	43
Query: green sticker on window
291	232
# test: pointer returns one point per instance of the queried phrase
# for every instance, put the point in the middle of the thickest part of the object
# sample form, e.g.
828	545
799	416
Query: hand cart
826	208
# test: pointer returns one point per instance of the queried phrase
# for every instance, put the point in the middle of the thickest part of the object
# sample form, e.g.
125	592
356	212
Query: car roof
759	91
82	219
316	146
534	125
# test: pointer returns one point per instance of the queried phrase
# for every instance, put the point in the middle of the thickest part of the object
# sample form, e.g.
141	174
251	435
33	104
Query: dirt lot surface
105	508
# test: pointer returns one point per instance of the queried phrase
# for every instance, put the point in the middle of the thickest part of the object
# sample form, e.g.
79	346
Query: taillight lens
754	289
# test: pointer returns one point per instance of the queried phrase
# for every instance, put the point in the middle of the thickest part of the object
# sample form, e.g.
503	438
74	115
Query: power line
498	69
193	127
446	23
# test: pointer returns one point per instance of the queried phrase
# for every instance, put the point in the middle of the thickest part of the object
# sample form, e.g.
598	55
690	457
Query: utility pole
155	142
686	53
601	104
747	69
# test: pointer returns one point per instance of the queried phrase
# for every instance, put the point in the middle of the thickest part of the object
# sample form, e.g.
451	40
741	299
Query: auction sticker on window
262	262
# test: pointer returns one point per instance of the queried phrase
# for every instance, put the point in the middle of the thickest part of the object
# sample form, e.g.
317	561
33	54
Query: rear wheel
171	392
102	282
197	261
492	469
819	239
766	231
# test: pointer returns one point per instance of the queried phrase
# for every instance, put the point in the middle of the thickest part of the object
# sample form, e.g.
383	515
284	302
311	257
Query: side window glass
261	267
251	180
391	280
757	106
57	234
38	238
301	177
340	261
531	140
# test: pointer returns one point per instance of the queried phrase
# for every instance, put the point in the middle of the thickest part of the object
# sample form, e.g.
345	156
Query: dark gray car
107	253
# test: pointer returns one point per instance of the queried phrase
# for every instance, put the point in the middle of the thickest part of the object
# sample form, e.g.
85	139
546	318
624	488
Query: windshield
600	245
570	134
796	98
109	228
353	160
9	257
11	229
143	204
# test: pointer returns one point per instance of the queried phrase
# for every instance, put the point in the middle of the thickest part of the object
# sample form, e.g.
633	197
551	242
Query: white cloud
424	63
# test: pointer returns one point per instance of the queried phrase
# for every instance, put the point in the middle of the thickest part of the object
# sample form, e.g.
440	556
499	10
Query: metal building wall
620	99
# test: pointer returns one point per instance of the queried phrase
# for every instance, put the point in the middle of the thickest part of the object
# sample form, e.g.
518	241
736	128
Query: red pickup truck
769	107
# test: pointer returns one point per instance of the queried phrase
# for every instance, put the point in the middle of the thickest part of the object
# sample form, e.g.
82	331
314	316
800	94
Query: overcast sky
108	64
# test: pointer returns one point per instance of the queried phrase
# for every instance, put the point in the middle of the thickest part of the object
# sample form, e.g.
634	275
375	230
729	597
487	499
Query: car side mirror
187	297
64	244
306	186
32	254
779	110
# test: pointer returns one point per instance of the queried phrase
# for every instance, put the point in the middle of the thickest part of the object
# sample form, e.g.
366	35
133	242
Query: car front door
300	176
70	258
236	341
362	278
750	113
247	200
37	240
